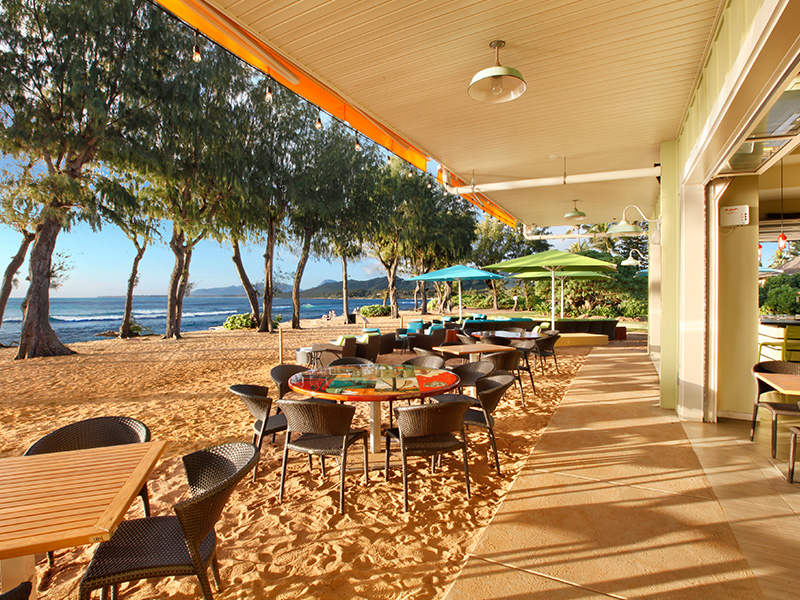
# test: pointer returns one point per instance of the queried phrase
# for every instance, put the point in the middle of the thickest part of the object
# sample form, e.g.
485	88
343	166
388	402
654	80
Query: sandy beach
303	547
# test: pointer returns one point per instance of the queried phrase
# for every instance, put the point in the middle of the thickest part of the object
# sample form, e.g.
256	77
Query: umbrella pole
553	299
562	297
460	316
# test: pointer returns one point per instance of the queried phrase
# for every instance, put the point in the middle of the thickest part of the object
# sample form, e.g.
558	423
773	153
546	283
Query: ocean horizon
85	319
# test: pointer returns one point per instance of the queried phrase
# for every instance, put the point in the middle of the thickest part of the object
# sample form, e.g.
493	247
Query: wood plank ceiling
608	82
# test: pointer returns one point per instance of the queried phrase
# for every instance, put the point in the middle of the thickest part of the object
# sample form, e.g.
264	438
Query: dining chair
490	390
497	340
256	399
776	409
428	361
96	432
350	360
465	338
789	343
183	544
508	362
427	430
544	347
526	347
324	430
281	374
326	357
471	372
21	592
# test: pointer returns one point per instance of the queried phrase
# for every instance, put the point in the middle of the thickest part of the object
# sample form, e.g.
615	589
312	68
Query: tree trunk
252	297
178	248
125	329
37	337
11	270
345	305
446	303
269	265
392	277
493	285
184	284
424	295
298	277
416	292
525	292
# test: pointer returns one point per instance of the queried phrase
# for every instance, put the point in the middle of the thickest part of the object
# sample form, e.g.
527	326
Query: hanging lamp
575	214
497	84
782	241
196	56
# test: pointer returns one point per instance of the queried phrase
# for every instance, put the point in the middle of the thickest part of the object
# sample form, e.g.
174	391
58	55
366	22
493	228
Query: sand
301	548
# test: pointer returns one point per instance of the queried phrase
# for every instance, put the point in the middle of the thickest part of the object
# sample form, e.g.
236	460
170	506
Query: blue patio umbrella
457	273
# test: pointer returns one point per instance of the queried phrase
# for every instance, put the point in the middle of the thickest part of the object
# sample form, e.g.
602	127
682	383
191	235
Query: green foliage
779	295
376	310
138	329
245	321
633	308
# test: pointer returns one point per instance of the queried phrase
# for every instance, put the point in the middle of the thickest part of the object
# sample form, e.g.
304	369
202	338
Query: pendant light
782	241
318	123
497	84
358	144
196	56
575	214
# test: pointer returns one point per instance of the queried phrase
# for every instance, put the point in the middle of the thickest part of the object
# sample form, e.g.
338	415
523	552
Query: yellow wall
670	250
737	303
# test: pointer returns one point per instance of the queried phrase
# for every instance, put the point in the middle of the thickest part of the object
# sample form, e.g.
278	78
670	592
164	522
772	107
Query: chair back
92	433
466	339
437	337
326	357
773	366
472	371
496	340
386	343
505	360
350	360
431	419
255	397
212	474
21	592
348	346
430	361
281	375
492	388
320	418
369	349
545	346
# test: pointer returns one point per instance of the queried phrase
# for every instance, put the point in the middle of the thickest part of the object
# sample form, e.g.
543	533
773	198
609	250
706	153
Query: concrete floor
621	500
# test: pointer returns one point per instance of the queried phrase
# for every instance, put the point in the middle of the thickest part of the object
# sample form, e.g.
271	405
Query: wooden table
472	349
66	499
783	382
374	384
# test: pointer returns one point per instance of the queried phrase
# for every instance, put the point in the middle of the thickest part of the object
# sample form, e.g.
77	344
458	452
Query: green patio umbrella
457	273
561	276
551	262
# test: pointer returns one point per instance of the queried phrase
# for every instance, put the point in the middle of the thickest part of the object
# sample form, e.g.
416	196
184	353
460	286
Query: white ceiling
608	81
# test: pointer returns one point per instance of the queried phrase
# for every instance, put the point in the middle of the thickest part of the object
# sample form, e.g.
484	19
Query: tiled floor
621	500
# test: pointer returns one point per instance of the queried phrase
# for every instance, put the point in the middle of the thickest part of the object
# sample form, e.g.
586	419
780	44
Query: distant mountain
370	288
236	290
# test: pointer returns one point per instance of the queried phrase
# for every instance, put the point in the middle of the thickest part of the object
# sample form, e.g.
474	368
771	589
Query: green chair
790	342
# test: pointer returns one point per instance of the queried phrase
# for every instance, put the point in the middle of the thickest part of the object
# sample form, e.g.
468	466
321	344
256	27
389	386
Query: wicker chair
471	372
465	338
184	544
526	347
490	391
21	592
256	399
776	409
94	433
427	430
281	375
497	340
326	357
510	362
350	360
324	431
370	348
428	361
544	347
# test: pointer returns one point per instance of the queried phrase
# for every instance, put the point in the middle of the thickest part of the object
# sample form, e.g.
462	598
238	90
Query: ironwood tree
74	76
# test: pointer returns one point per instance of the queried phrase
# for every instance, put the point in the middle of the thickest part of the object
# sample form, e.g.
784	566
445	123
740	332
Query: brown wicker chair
324	431
184	544
326	357
21	592
526	347
490	391
256	399
544	347
471	372
427	430
776	409
387	342
281	375
94	433
428	361
496	340
350	360
509	362
370	348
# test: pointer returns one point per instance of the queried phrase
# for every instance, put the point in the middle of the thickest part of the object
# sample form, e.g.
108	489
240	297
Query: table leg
16	570
375	427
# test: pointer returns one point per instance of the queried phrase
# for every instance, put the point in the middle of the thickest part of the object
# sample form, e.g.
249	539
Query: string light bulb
358	144
196	57
318	123
268	95
410	174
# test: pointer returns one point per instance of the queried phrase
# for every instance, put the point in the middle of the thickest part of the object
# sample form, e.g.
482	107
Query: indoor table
374	384
66	499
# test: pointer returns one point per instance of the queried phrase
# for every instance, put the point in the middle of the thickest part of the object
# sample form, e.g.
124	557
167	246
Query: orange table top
783	382
65	499
373	383
465	349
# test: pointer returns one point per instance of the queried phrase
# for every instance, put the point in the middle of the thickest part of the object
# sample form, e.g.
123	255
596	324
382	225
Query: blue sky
101	263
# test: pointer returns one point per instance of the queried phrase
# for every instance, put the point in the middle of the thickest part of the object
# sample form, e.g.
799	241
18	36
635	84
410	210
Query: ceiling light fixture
196	57
625	226
497	84
631	261
575	214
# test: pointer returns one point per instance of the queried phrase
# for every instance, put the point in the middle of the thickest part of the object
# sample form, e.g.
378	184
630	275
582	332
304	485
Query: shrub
376	310
137	329
245	321
633	308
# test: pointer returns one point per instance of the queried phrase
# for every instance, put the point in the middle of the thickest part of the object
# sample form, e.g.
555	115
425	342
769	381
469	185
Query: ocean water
80	319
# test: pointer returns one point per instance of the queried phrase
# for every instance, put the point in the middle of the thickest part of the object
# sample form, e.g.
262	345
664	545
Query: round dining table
373	384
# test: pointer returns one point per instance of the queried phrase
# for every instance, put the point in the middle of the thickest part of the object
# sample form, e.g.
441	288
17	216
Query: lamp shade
630	262
575	214
624	227
497	84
